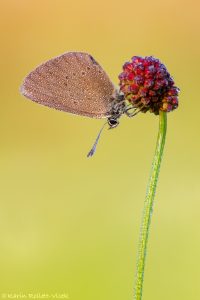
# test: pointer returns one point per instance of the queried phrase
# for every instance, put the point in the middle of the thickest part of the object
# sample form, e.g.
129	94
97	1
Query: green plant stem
148	206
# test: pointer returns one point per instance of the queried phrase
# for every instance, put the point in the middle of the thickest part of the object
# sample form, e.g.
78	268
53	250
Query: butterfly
74	82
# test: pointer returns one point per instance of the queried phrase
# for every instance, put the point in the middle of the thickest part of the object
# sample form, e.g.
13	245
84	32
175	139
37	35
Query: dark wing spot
83	73
67	77
88	68
93	60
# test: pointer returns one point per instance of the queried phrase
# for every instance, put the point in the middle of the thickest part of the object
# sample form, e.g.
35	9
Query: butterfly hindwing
73	82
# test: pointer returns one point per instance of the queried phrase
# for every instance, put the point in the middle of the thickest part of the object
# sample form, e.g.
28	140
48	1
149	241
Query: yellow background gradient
69	224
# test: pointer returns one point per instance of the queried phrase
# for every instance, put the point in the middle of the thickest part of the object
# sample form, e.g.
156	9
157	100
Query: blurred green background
69	224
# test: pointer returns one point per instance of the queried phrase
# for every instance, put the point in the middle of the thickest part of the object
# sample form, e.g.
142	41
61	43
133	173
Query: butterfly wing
73	82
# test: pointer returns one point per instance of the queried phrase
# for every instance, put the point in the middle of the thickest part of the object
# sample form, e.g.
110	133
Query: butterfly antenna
92	151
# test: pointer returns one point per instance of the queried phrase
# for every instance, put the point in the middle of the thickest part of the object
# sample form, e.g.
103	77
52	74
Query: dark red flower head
147	85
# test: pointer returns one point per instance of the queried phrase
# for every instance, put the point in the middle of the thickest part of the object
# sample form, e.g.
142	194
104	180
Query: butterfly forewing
73	82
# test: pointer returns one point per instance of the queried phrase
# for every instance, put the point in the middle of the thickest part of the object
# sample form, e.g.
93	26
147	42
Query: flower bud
147	85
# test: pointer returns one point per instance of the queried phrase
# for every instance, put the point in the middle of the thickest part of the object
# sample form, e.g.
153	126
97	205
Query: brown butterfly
74	82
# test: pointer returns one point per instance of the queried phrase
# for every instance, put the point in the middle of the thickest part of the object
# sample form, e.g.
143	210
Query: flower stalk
148	206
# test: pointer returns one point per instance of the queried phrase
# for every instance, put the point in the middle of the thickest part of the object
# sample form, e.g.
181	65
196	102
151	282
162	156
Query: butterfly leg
132	111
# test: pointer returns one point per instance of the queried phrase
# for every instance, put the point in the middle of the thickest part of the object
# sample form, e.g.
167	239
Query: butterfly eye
112	122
